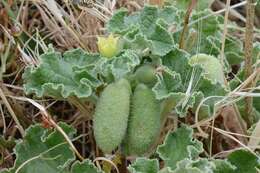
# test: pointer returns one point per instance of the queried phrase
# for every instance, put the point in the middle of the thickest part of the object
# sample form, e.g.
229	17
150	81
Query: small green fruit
211	65
146	74
144	121
111	115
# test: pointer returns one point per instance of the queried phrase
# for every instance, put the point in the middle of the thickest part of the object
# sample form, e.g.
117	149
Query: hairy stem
250	13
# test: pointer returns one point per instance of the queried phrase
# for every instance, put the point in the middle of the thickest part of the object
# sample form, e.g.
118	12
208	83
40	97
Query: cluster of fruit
126	118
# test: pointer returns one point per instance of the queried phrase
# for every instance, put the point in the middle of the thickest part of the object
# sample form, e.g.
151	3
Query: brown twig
222	53
250	13
160	3
13	115
186	23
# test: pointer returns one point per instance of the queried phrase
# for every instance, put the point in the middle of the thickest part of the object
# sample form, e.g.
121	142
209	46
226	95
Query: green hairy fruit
146	74
211	65
144	121
111	115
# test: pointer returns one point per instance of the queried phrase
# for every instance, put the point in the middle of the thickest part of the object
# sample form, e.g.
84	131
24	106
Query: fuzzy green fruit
144	121
111	115
146	74
211	65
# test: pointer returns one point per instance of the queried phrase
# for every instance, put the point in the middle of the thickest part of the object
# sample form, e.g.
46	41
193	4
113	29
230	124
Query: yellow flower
108	46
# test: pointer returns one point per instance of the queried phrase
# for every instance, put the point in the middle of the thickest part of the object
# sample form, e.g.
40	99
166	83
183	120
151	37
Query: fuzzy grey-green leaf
61	77
143	165
179	145
43	150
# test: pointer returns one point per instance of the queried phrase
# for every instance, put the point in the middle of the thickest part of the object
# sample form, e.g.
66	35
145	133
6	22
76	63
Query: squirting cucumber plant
145	92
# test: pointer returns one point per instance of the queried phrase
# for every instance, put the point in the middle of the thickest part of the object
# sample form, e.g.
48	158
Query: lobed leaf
120	66
244	161
184	4
179	145
223	166
186	81
197	166
45	149
85	166
146	28
74	74
143	165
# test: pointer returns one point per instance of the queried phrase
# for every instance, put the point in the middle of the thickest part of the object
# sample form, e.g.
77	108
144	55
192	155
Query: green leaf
185	81
74	74
204	32
162	41
183	106
46	151
143	165
231	44
148	28
120	23
209	37
43	150
171	15
139	42
209	26
84	167
120	66
197	166
256	52
223	166
255	112
124	64
175	80
166	170
177	61
179	145
244	161
204	109
169	83
184	4
257	103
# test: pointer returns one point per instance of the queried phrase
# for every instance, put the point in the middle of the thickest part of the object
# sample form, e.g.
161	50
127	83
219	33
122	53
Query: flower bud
108	46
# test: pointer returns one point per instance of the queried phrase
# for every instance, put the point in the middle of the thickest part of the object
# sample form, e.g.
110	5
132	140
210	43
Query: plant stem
222	53
250	13
186	23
